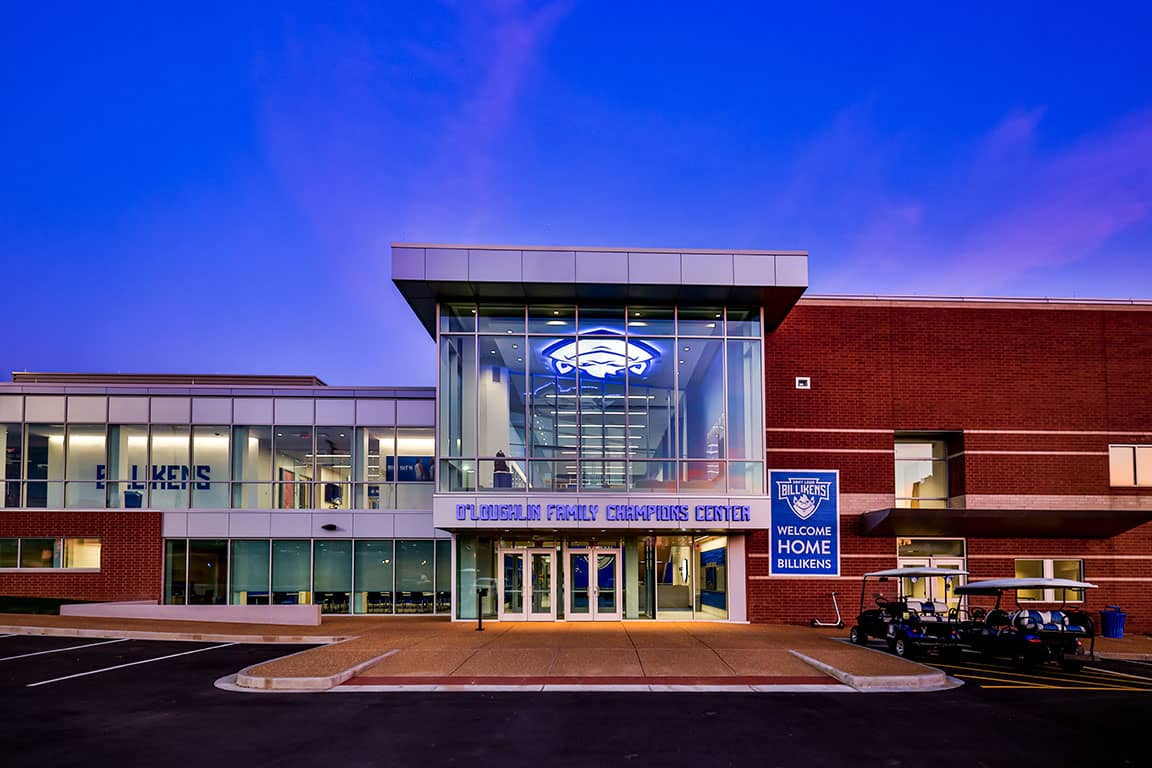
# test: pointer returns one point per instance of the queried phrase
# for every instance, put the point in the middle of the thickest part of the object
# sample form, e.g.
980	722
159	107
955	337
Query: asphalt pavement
90	702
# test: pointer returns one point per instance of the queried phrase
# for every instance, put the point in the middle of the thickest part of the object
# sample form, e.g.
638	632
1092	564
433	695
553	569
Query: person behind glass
501	475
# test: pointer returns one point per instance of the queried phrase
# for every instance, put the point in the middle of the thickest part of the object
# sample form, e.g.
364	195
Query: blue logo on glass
601	353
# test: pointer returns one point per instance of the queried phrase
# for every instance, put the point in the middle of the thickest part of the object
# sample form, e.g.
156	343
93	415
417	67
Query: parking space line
130	664
1121	674
1015	683
61	650
1044	679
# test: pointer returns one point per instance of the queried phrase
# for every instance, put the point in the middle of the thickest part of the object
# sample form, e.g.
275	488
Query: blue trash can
1112	622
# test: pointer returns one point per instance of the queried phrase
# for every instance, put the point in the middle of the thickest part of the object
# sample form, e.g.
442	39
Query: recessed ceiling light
555	311
555	322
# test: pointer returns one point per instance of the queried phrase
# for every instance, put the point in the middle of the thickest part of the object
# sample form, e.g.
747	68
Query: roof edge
599	249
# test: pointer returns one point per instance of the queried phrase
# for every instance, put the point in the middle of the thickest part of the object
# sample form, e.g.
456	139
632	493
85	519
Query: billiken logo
804	494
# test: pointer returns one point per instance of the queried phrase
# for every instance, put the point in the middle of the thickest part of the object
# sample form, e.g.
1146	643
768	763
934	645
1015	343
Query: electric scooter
838	624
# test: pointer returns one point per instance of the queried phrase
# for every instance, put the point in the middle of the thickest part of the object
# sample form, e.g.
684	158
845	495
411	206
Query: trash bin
1112	622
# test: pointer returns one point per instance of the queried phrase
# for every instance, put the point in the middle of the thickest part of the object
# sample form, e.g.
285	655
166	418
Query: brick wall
131	555
1049	386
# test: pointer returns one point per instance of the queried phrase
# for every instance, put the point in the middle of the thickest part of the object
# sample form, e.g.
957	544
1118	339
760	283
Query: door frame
594	613
527	614
935	561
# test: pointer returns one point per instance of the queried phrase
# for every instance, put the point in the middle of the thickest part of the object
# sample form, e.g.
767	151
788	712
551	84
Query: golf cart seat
928	611
1045	621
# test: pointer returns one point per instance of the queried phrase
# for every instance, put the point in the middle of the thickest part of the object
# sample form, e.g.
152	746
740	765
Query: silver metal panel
128	410
211	410
11	408
654	268
208	524
749	269
706	269
252	410
175	525
376	413
407	263
601	267
416	413
291	524
257	525
297	411
446	264
373	525
342	521
93	410
549	266
39	409
495	266
171	410
414	525
792	270
335	412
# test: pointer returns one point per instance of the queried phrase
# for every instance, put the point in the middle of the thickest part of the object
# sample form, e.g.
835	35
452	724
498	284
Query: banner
805	522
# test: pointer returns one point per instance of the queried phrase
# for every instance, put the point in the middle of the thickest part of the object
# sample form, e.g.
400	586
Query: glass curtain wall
557	398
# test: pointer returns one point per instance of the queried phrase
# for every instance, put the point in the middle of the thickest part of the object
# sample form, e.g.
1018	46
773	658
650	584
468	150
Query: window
56	553
1130	466
1050	569
921	473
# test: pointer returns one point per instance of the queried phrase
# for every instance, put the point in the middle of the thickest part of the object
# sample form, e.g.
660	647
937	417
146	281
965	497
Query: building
614	435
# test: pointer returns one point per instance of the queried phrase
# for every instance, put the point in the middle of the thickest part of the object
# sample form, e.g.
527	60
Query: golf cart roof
992	586
918	571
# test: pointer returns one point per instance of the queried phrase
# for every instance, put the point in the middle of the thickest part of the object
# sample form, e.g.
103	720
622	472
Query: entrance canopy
427	274
1037	523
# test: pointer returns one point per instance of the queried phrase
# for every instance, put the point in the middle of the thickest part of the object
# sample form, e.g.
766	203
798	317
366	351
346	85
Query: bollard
481	593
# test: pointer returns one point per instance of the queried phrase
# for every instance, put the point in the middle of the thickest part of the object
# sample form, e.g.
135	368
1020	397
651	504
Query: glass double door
936	588
527	585
592	584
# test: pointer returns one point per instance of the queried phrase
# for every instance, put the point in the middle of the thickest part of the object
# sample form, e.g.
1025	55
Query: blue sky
213	189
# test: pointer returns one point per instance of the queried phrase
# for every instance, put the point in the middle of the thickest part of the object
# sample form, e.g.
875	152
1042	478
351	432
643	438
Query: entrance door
592	584
936	588
527	585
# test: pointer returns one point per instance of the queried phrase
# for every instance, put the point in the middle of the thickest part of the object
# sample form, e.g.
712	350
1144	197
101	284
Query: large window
1130	466
1050	569
921	473
565	398
60	553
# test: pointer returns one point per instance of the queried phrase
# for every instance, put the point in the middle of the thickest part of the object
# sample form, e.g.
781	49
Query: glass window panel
553	475
551	400
651	399
252	454
207	572
210	495
1068	569
552	319
12	440
652	476
443	575
701	476
1122	465
169	472
501	397
293	495
376	455
712	577
86	459
502	474
39	553
292	460
603	360
1144	465
253	495
601	318
651	321
457	395
414	497
744	321
700	407
291	572
85	495
375	496
1029	569
210	458
43	495
250	572
930	547
745	477
700	321
475	568
745	434
9	553
457	475
128	463
415	449
373	577
414	576
332	575
456	318
82	553
44	452
603	475
175	571
508	320
10	494
334	466
920	449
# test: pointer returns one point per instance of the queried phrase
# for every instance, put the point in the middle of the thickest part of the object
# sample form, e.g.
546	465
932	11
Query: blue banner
805	525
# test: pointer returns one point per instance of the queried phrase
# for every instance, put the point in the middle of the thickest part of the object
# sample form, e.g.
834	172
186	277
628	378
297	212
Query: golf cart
1024	635
908	625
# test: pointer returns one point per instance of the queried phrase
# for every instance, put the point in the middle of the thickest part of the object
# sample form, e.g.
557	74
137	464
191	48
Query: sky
213	187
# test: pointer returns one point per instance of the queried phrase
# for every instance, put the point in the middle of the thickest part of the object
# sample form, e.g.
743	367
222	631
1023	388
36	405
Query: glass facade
172	466
59	553
565	398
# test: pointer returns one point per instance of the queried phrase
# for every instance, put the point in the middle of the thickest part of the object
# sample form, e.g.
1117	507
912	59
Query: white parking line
129	664
61	650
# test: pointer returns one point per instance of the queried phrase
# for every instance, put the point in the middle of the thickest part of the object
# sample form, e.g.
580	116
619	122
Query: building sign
805	524
601	353
604	513
169	477
410	469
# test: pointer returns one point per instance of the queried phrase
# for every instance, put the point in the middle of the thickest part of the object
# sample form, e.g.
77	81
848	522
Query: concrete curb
1124	656
206	637
244	678
933	680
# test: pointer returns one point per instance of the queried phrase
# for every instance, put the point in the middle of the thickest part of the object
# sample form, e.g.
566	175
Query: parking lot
1000	674
80	701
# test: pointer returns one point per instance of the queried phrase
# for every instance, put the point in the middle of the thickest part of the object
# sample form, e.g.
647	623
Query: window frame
1134	450
59	548
1048	567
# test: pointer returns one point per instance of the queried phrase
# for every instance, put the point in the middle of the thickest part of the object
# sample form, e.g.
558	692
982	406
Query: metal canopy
1000	585
902	572
1034	523
426	274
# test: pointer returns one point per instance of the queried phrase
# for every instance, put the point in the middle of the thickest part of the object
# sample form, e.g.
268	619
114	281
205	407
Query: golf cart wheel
857	636
1069	665
900	647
